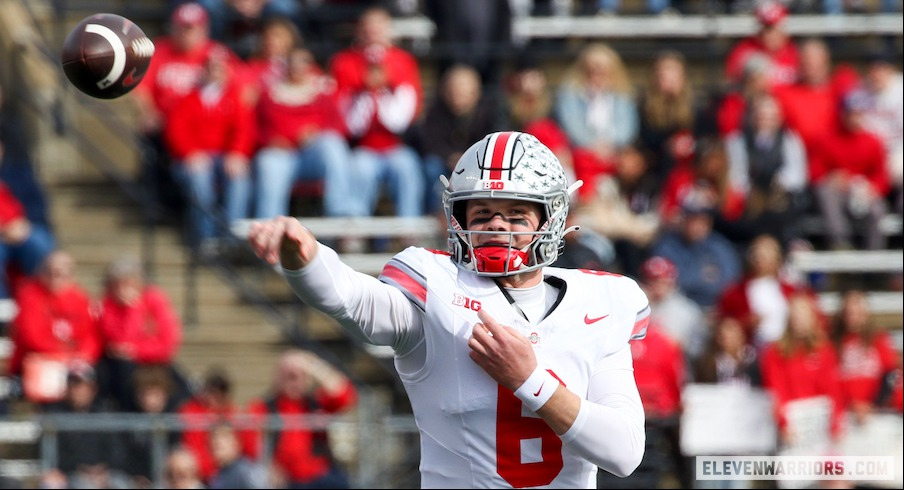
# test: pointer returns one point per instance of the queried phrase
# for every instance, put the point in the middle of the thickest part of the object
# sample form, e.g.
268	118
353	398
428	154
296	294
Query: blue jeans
399	169
212	196
325	158
434	166
27	256
653	6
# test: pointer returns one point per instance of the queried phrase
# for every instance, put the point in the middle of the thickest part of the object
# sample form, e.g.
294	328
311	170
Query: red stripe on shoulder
438	252
411	285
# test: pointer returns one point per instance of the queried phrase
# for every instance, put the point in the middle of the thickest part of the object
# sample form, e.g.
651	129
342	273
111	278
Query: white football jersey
474	432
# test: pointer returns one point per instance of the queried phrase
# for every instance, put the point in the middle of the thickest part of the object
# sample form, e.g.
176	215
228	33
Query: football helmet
508	165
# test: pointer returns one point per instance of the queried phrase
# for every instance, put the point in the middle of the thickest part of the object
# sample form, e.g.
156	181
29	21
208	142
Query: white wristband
537	389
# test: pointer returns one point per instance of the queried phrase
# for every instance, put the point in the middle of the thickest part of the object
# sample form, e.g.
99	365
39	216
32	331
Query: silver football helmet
508	165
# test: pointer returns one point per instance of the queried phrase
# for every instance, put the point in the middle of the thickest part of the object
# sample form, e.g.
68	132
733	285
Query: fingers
492	326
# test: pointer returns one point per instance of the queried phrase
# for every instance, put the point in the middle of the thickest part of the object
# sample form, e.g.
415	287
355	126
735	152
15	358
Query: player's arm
370	310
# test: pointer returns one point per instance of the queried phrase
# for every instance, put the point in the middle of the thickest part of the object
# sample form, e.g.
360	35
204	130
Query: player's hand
284	240
505	354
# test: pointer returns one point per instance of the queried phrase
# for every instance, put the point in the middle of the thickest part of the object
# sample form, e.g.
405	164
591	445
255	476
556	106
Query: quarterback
519	374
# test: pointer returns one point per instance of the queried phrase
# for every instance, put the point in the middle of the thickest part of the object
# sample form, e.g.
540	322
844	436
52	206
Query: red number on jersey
511	429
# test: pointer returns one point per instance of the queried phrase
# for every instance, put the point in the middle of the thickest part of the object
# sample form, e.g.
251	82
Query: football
106	55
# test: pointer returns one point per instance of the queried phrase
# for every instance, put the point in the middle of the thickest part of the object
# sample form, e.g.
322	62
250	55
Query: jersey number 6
511	429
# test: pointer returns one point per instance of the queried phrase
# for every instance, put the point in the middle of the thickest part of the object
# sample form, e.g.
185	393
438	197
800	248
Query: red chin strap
493	259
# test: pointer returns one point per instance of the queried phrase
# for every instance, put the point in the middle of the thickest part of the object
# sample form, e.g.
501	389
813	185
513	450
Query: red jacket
150	326
863	367
173	74
61	323
300	453
350	67
734	303
803	375
785	61
285	116
225	126
10	207
195	411
659	373
858	153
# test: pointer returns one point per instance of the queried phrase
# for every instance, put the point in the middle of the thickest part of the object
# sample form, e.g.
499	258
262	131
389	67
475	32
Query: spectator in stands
613	7
239	24
707	262
175	70
850	179
269	63
301	140
659	369
16	169
585	249
771	40
211	142
380	94
528	108
212	403
152	389
891	392
623	208
474	33
181	470
595	106
811	105
759	300
304	384
668	112
729	358
24	244
681	319
865	354
802	364
457	116
768	166
86	458
884	116
139	327
56	322
732	114
233	470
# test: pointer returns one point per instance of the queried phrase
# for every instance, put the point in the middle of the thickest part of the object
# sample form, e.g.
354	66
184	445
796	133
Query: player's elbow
623	462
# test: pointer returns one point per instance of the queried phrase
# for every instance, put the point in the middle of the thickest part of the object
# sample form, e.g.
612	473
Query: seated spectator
181	470
759	300
585	249
707	262
380	94
23	244
239	23
733	114
56	324
304	384
211	143
768	167
771	40
613	7
865	354
884	116
269	63
301	140
595	106
211	404
457	117
802	364
623	208
678	317
174	71
668	112
87	459
233	470
139	327
152	390
729	358
851	180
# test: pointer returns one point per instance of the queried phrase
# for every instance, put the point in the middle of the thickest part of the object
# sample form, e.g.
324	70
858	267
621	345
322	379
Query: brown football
106	55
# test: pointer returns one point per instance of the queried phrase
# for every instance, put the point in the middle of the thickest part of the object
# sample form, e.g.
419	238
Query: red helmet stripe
499	148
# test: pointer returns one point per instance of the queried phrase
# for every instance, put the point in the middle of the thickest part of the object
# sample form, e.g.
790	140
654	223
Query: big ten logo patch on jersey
494	185
465	302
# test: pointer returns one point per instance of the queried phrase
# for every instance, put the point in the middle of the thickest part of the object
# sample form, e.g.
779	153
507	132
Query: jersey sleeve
638	305
406	273
369	310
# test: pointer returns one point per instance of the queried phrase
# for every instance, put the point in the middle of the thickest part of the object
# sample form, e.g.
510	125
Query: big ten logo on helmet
494	185
465	302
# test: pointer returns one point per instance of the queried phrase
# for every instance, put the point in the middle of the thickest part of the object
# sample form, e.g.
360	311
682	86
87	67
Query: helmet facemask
508	166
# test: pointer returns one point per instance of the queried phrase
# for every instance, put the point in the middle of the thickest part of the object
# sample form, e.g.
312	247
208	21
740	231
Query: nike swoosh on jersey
589	320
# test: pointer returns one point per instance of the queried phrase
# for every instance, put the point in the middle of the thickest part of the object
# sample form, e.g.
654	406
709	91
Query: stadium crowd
698	195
